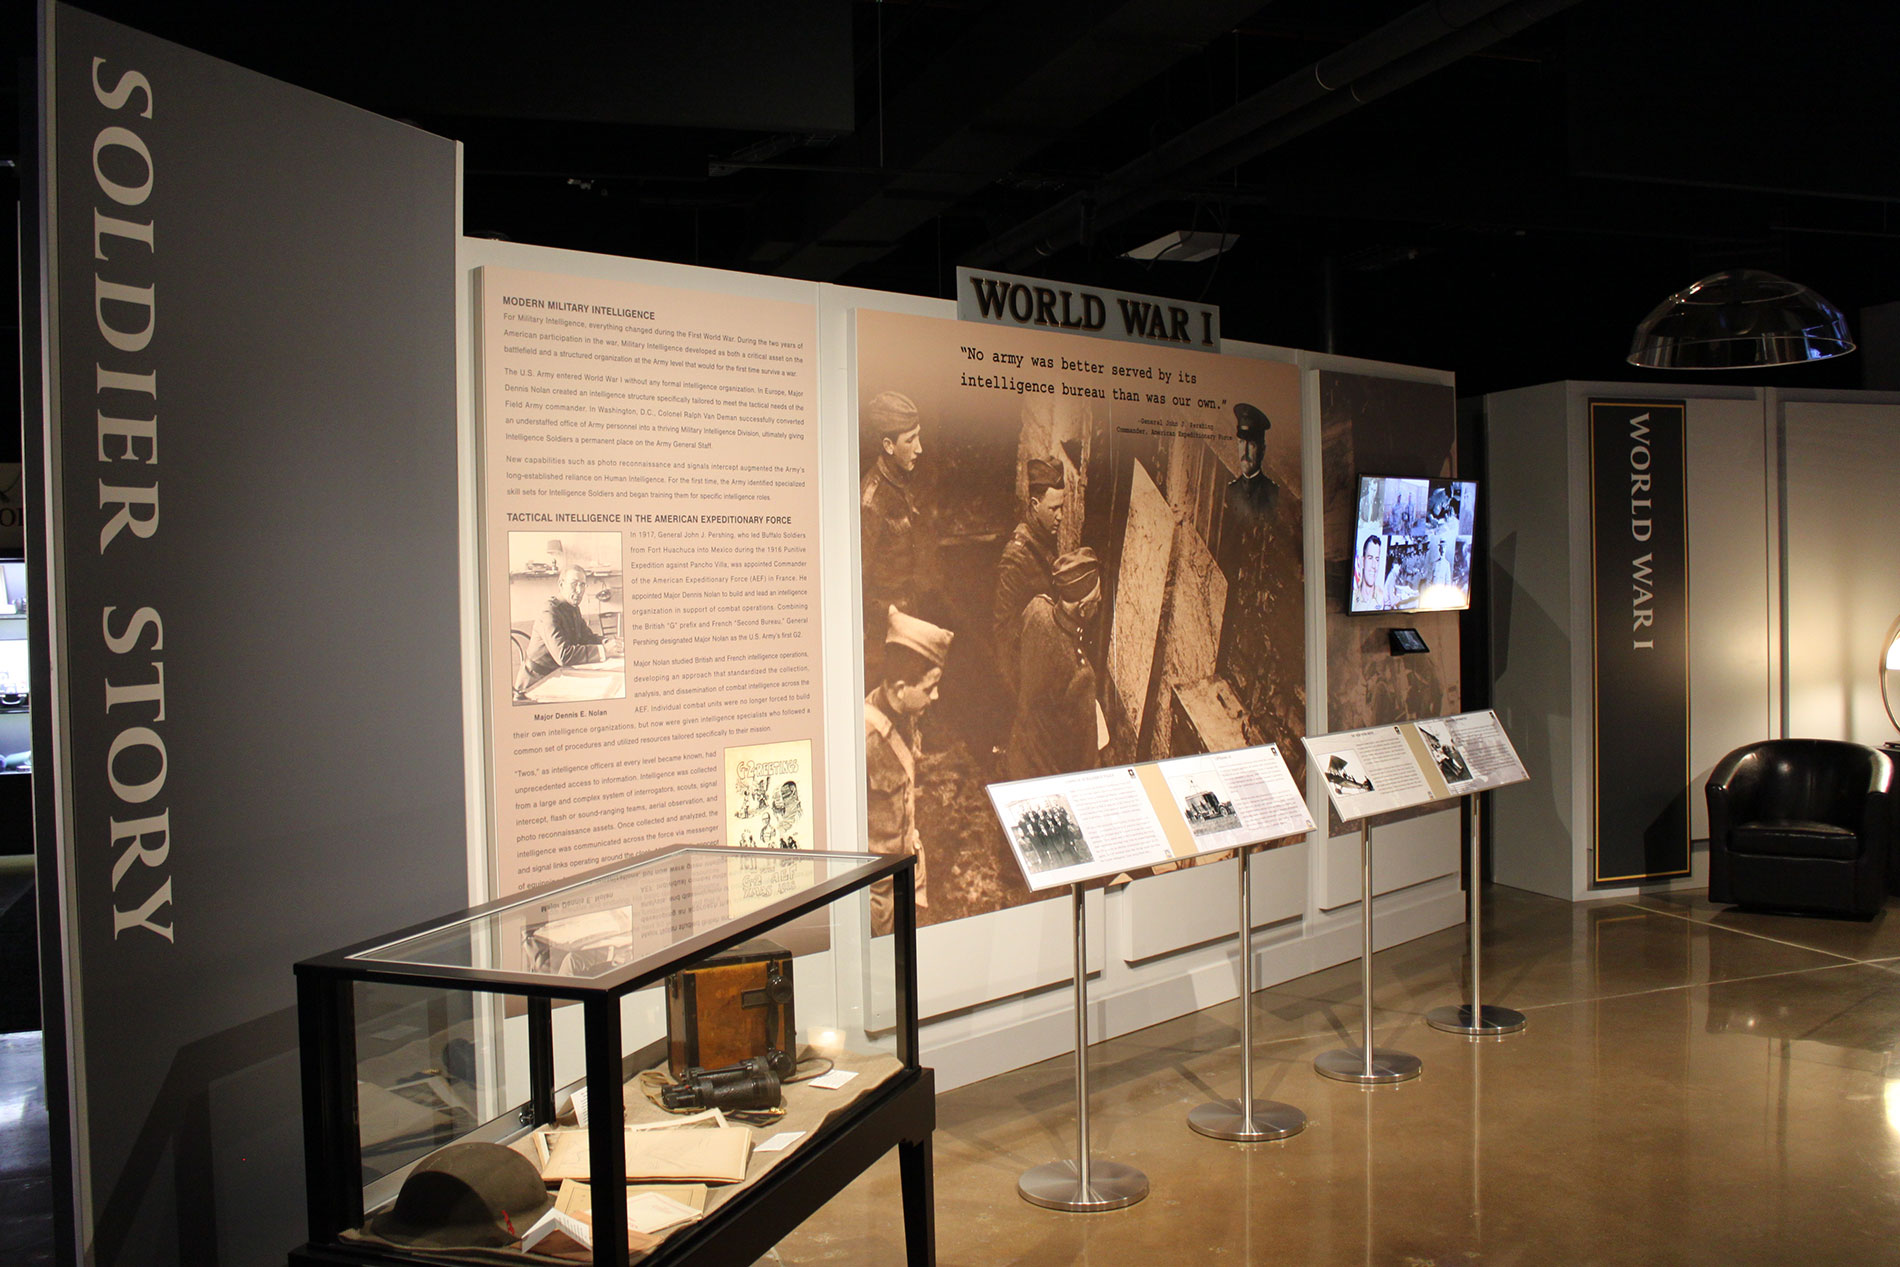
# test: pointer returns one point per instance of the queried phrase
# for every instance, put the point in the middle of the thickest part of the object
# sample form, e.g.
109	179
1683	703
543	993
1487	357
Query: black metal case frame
899	1114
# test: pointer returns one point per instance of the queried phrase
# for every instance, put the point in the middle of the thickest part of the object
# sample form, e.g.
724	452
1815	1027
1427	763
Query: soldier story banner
1639	543
1075	554
250	495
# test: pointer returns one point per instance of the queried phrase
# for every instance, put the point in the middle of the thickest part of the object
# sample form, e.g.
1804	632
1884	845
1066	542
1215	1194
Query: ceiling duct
984	108
1402	52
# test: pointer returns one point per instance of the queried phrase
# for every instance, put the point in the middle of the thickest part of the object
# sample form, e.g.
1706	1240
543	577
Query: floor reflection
26	1198
1694	1086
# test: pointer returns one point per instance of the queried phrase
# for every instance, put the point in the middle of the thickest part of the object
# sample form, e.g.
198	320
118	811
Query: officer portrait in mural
1120	570
1248	545
1252	489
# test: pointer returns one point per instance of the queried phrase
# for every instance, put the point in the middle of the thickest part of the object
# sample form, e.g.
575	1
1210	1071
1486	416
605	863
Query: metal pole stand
1367	1065
1084	1185
1476	1019
1246	1120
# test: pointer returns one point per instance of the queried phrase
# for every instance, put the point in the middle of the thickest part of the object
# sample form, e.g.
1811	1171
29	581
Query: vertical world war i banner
1076	554
1639	545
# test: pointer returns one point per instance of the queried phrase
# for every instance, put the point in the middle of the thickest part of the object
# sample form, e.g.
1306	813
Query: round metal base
1388	1066
1222	1119
1486	1022
1058	1186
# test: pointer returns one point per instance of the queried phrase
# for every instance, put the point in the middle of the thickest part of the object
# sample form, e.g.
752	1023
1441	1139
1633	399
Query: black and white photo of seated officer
562	636
1253	489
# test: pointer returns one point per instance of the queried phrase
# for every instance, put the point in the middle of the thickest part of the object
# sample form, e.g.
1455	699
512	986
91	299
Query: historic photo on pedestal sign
1075	554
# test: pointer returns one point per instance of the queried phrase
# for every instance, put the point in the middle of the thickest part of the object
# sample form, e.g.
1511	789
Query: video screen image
1412	544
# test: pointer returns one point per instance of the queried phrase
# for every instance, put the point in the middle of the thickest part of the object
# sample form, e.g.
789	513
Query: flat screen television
1412	544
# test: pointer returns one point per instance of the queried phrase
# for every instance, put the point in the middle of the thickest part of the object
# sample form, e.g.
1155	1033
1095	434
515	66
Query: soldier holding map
1056	711
1023	572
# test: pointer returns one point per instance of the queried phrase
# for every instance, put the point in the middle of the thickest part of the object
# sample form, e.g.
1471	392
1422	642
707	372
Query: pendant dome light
1744	319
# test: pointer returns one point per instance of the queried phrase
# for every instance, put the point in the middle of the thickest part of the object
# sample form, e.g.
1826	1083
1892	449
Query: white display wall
1843	590
992	985
1789	501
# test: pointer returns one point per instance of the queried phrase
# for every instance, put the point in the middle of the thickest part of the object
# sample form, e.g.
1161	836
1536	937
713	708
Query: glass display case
716	1029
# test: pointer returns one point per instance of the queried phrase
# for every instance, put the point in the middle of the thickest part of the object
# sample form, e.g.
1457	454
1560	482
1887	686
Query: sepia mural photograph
1075	553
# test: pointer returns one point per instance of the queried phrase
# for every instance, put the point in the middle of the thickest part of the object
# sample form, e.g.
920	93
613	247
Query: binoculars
750	1084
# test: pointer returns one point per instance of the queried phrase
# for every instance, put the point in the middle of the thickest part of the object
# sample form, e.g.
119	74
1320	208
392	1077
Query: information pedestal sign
1085	1184
1246	1120
1475	1019
1366	1064
1386	768
1068	829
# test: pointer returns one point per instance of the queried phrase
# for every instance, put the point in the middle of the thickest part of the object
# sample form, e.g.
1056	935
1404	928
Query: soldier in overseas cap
1252	489
926	639
1028	557
1055	730
894	531
915	652
891	413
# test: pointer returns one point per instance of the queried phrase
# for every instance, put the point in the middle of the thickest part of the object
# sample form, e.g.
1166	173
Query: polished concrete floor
26	1182
1695	1085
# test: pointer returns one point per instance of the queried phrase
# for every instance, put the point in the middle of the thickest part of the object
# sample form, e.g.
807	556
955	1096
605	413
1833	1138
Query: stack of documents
695	1150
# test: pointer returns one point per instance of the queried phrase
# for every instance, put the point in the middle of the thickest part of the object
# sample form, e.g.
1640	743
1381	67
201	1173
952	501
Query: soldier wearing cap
914	655
1055	726
1252	489
894	531
1028	558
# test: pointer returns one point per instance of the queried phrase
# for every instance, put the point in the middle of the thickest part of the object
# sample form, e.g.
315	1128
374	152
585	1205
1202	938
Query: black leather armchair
1803	825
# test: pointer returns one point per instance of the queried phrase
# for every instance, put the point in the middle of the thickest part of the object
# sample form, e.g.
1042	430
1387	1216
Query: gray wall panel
1731	613
1843	467
304	567
1526	481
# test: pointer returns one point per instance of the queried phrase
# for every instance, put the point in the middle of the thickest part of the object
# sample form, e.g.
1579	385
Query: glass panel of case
596	926
752	1030
417	1087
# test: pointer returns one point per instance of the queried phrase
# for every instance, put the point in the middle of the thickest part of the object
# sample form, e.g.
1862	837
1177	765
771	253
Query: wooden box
731	1007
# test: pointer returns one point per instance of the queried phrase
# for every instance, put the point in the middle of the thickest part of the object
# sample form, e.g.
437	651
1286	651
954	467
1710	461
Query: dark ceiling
1498	189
